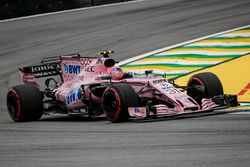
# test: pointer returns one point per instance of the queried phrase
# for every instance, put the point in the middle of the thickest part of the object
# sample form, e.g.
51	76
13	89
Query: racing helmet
116	73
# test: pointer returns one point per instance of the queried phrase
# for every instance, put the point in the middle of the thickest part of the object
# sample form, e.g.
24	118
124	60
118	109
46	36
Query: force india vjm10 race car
93	86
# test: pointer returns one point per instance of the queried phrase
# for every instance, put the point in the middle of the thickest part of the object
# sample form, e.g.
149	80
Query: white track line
177	45
71	10
243	110
236	34
240	113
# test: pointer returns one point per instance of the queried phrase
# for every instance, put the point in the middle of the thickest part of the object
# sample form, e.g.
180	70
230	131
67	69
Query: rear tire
116	100
204	85
25	103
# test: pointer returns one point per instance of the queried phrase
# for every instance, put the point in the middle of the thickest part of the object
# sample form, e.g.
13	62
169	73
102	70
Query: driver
117	73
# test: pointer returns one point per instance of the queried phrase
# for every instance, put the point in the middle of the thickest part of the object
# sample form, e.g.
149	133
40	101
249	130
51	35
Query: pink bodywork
91	69
78	73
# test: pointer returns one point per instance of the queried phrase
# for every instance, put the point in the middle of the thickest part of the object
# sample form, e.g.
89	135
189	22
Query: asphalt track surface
129	29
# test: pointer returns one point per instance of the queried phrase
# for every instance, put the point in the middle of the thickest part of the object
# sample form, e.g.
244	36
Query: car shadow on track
71	119
98	119
183	116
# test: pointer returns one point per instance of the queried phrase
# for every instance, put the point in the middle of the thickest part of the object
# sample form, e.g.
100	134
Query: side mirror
148	72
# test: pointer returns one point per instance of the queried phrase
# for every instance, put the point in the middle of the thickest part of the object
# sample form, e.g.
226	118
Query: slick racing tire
204	85
116	100
25	103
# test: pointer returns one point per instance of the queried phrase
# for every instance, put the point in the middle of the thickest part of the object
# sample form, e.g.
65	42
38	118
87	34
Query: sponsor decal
159	81
184	99
74	95
89	69
68	78
72	69
166	86
28	78
46	67
45	74
138	112
173	91
85	61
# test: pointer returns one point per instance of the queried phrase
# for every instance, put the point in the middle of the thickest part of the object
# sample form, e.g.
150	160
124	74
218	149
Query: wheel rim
197	94
111	105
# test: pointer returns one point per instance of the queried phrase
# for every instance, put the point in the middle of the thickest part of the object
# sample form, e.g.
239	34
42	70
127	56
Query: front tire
25	103
204	85
116	100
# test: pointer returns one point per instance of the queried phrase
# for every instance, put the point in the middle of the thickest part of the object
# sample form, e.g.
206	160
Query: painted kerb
187	57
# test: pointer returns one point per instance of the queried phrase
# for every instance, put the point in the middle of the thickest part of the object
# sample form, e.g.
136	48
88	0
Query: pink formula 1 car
93	86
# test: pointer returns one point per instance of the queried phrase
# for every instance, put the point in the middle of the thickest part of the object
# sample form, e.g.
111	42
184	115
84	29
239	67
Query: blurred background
17	8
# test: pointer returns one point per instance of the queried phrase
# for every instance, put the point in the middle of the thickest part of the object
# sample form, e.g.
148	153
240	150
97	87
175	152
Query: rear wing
49	67
53	66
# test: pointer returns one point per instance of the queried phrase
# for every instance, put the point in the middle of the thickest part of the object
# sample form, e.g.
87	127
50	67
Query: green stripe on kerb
246	28
192	56
217	47
169	65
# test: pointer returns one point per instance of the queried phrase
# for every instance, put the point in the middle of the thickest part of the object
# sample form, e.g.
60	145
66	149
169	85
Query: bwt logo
72	69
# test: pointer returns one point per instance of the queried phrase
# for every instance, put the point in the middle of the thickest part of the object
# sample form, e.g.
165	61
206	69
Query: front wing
161	110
